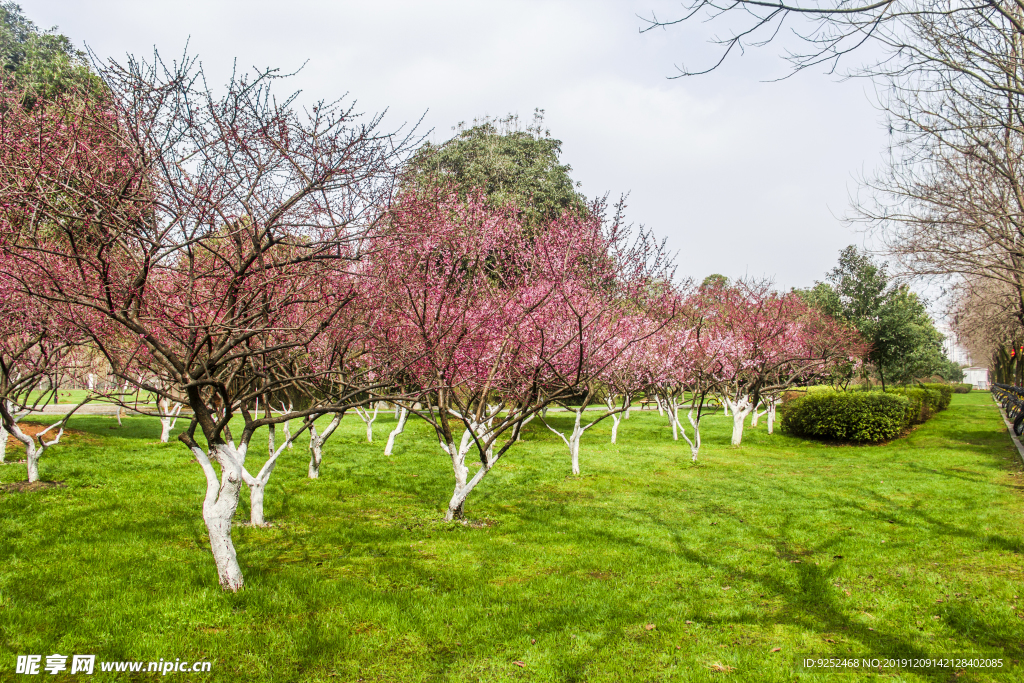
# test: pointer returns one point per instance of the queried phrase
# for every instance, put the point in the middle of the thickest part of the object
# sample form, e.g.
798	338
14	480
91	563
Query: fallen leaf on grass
725	588
649	627
776	649
518	663
717	666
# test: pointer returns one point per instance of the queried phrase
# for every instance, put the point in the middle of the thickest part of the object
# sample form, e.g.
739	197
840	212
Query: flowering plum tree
769	341
214	235
34	350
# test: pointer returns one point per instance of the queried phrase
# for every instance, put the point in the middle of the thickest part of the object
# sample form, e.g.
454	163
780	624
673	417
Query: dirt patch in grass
27	487
31	429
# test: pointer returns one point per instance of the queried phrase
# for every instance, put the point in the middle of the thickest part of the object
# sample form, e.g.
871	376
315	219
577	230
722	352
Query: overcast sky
742	176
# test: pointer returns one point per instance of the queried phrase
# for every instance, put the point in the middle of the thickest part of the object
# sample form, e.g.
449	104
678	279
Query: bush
962	388
866	416
946	392
923	403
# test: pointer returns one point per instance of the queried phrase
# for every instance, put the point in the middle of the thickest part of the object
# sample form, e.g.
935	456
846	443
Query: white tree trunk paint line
461	472
772	404
615	418
695	444
258	483
366	417
3	444
573	440
285	427
460	494
672	410
316	444
219	510
34	452
402	416
398	410
168	416
661	409
90	381
740	410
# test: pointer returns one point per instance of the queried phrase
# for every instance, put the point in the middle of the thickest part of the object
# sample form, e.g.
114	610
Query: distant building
977	377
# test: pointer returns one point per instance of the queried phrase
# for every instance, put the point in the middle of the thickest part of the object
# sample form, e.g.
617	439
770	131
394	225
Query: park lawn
646	567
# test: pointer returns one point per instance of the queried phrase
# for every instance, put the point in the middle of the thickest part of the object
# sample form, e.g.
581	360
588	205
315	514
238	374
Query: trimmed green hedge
946	392
962	388
923	403
867	416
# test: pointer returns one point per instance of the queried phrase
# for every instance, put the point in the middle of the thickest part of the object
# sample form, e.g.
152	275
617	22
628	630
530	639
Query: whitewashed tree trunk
661	409
316	444
90	381
33	451
772	404
285	425
402	416
609	401
168	416
3	444
222	494
740	410
672	410
365	416
725	407
573	440
398	410
695	444
461	472
258	483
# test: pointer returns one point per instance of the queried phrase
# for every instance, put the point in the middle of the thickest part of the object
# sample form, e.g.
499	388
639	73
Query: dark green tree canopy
43	63
904	342
510	165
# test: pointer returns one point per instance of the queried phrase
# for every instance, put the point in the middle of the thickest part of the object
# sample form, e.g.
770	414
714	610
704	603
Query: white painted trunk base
402	416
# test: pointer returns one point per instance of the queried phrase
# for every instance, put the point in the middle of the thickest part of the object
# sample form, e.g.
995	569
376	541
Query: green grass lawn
644	568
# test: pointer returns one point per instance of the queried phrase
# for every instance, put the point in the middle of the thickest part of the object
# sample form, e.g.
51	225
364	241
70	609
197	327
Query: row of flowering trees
263	265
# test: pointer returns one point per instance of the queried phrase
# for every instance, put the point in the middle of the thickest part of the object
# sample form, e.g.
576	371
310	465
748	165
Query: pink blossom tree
769	341
215	235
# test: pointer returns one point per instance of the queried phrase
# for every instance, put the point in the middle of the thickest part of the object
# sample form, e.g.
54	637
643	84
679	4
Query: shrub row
863	416
847	416
962	388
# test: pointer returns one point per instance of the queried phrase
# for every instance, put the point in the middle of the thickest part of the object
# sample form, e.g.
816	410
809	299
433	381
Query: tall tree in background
904	343
510	165
42	63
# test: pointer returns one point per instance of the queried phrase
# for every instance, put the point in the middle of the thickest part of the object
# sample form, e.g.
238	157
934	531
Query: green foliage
962	388
509	165
715	281
945	393
923	403
862	416
43	63
904	342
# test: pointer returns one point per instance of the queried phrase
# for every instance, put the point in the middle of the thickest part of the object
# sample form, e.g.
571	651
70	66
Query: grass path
644	568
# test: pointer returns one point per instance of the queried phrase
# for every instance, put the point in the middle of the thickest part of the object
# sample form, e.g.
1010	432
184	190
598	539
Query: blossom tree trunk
403	416
365	415
741	408
317	441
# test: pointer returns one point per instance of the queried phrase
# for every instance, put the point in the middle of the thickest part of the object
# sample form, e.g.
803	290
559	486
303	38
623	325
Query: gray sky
743	177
